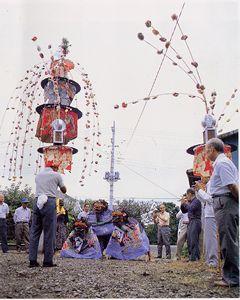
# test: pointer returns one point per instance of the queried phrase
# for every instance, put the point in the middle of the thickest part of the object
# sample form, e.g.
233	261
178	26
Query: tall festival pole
112	176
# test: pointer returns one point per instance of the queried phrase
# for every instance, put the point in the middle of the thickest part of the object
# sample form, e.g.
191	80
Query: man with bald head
223	187
162	219
4	211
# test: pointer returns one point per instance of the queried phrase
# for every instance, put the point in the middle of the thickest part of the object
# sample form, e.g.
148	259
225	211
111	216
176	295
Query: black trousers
43	220
3	234
193	232
227	216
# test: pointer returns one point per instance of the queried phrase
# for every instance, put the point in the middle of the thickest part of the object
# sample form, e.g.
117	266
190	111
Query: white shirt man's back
47	182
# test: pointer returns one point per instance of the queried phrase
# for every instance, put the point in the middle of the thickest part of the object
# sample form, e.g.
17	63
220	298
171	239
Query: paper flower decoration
148	23
174	17
140	36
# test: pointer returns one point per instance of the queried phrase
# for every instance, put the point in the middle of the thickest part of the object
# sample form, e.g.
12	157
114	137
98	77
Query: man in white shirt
4	211
223	187
182	229
44	215
210	225
21	219
162	218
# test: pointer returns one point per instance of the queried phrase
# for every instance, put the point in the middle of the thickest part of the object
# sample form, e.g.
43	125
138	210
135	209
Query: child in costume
82	242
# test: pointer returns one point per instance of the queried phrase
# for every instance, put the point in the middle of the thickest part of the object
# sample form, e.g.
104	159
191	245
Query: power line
149	180
155	79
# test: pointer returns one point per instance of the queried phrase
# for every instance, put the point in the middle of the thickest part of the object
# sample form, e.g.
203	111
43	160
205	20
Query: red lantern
60	156
48	115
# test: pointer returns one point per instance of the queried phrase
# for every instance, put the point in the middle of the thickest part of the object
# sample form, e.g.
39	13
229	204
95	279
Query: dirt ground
75	278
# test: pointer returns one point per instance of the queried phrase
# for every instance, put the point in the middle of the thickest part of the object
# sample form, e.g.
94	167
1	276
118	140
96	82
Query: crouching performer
101	221
128	240
82	242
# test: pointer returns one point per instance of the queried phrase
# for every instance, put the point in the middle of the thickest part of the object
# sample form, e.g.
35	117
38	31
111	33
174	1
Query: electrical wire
149	180
155	79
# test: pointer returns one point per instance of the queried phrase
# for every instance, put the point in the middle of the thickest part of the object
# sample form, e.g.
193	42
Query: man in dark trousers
44	215
193	208
4	211
223	187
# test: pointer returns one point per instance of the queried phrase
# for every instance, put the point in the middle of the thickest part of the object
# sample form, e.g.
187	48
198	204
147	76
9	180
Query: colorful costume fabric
101	222
61	231
128	241
102	225
80	244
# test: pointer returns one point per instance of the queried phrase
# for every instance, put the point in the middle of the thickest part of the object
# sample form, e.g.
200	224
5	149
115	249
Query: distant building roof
227	134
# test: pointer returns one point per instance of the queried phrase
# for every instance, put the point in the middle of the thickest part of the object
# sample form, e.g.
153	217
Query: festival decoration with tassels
46	89
166	50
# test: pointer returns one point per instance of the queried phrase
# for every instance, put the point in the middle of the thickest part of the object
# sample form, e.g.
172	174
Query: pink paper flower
162	39
140	36
148	23
184	37
155	31
167	44
195	64
174	17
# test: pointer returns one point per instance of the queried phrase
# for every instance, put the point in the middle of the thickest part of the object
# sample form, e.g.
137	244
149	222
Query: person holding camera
162	218
194	208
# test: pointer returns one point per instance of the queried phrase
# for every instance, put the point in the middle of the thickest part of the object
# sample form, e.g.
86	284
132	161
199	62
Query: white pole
112	175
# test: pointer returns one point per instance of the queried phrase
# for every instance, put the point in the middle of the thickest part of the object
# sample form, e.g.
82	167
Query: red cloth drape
202	166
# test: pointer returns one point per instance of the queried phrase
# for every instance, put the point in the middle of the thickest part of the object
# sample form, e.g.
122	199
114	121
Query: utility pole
112	176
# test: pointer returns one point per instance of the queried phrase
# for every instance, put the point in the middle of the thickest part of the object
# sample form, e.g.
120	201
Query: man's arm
179	214
61	185
204	197
234	190
229	179
164	218
63	189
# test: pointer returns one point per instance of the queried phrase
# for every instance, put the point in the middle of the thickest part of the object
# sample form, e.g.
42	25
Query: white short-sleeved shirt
224	173
22	215
47	182
183	217
4	210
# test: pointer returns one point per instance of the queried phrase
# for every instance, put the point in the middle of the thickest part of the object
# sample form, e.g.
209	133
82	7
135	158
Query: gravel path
108	279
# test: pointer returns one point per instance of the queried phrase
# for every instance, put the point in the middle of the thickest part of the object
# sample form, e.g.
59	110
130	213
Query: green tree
151	231
173	210
134	208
